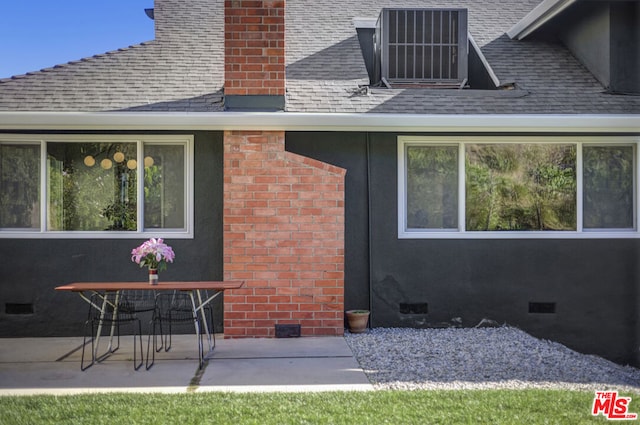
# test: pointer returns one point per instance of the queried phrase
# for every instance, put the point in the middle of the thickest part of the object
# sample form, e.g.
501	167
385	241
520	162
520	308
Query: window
432	187
164	177
608	187
19	185
483	187
90	187
83	186
423	45
524	186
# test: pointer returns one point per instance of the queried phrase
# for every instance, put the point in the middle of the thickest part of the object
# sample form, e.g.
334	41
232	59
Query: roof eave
539	16
122	121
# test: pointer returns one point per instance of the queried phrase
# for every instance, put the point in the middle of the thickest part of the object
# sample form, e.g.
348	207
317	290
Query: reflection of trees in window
432	187
164	178
122	213
520	187
19	186
608	187
92	186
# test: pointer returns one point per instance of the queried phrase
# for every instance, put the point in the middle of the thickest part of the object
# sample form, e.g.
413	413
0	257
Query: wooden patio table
194	288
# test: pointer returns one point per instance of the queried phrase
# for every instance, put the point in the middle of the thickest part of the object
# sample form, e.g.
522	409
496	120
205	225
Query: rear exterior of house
341	155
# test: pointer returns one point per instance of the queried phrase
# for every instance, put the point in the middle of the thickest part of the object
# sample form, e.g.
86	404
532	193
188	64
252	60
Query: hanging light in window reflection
132	164
89	161
118	157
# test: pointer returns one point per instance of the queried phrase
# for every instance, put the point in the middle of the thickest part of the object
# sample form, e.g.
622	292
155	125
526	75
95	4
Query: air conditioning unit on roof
422	46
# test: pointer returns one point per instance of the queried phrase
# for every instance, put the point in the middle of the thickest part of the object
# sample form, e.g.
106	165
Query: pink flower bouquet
154	254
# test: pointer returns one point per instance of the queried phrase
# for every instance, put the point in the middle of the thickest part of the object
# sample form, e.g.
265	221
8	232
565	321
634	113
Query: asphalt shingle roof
183	68
549	79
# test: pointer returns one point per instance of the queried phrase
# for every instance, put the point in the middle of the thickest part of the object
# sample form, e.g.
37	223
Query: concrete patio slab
52	366
295	364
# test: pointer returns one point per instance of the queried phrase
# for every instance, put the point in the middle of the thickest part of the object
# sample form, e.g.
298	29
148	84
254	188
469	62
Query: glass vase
153	276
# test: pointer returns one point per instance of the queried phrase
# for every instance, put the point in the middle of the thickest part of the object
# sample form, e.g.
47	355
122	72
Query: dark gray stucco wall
605	37
591	281
588	38
31	268
625	47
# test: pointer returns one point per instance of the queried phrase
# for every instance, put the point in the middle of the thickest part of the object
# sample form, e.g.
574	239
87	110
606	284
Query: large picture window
481	187
90	187
520	187
78	186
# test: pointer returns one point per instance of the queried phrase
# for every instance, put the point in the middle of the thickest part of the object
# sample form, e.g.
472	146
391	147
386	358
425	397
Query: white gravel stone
481	358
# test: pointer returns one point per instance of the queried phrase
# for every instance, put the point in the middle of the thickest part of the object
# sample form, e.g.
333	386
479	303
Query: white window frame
462	233
44	233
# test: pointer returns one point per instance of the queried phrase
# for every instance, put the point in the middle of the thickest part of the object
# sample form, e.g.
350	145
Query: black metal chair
115	310
172	308
139	301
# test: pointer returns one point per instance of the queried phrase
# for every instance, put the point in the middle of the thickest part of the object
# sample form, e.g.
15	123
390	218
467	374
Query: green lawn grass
374	407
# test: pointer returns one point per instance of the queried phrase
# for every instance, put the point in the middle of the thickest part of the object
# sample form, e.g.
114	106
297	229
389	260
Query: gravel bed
481	358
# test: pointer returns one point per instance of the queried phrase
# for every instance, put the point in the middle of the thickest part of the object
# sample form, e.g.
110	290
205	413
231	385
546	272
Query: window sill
36	234
622	234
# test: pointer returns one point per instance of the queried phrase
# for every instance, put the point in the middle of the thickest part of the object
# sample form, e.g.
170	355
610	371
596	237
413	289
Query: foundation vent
287	331
14	308
414	308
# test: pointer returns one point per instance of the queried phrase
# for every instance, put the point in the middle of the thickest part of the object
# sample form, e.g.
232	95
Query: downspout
368	145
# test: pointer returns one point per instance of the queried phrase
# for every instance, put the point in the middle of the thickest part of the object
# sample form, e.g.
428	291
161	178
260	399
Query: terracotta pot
357	320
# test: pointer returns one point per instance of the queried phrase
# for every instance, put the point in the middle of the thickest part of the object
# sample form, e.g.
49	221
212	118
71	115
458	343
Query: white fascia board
538	17
289	121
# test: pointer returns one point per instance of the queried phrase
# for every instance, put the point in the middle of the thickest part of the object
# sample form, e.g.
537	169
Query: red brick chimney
283	213
254	55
